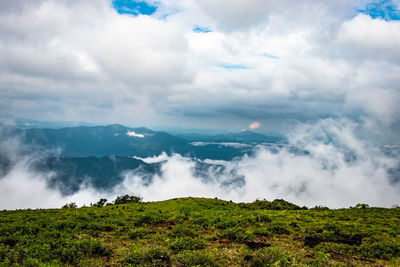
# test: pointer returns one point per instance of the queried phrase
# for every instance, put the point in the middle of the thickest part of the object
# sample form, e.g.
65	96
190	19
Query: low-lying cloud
323	164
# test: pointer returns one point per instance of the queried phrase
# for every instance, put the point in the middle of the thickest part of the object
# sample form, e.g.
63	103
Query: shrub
277	204
147	256
272	257
94	248
71	205
228	223
313	239
102	227
100	203
381	250
190	258
3	252
320	208
361	206
138	233
263	218
237	234
279	229
262	231
182	231
149	218
321	259
187	243
201	221
127	199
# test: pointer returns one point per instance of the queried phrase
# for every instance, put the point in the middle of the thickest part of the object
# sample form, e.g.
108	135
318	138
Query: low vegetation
202	232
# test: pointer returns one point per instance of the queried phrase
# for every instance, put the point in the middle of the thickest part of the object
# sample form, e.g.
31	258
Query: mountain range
102	154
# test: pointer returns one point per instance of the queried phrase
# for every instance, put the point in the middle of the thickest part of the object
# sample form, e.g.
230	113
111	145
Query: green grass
202	232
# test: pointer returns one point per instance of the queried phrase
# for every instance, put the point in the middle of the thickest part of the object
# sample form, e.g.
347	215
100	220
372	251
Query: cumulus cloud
83	58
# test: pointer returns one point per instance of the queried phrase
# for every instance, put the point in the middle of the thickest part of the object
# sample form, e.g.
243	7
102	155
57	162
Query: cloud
133	134
82	58
189	63
324	163
338	170
228	144
155	159
254	125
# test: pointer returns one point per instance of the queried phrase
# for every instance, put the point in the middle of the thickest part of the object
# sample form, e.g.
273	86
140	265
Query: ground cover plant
200	232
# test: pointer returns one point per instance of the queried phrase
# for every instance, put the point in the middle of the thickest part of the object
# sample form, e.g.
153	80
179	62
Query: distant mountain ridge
243	136
102	173
101	141
101	155
118	140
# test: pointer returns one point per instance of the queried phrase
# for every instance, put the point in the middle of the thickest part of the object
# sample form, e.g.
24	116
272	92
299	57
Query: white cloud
338	170
82	58
133	134
155	159
229	144
299	60
365	37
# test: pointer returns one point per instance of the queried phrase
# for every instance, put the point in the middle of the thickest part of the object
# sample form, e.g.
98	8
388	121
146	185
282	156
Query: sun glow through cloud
254	125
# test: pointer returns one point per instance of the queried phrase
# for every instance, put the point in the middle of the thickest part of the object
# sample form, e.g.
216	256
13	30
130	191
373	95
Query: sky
211	64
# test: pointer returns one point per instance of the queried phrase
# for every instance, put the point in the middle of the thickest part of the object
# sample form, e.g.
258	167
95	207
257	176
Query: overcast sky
227	64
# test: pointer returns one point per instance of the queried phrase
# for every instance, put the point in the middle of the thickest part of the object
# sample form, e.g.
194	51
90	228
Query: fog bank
324	163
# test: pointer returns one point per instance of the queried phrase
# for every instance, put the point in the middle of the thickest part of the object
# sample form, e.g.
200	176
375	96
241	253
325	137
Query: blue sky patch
270	56
385	9
133	7
232	66
202	29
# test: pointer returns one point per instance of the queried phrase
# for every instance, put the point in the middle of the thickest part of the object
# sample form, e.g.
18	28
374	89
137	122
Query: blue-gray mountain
101	155
101	141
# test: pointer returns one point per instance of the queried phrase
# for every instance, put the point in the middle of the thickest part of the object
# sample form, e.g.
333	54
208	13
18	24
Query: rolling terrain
200	232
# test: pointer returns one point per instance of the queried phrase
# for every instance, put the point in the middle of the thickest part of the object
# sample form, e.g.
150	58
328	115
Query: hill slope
204	232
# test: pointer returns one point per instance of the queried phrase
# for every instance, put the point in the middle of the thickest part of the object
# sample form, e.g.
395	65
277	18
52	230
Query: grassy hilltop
198	231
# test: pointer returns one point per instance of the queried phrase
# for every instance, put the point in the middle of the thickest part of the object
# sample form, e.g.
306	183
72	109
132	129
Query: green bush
277	204
3	252
237	234
127	199
279	229
191	258
228	223
182	231
151	217
272	257
321	259
381	250
94	248
263	218
138	233
147	256
187	243
262	231
71	205
201	221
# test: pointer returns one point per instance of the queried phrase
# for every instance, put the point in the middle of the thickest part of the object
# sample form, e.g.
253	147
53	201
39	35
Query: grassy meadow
202	232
